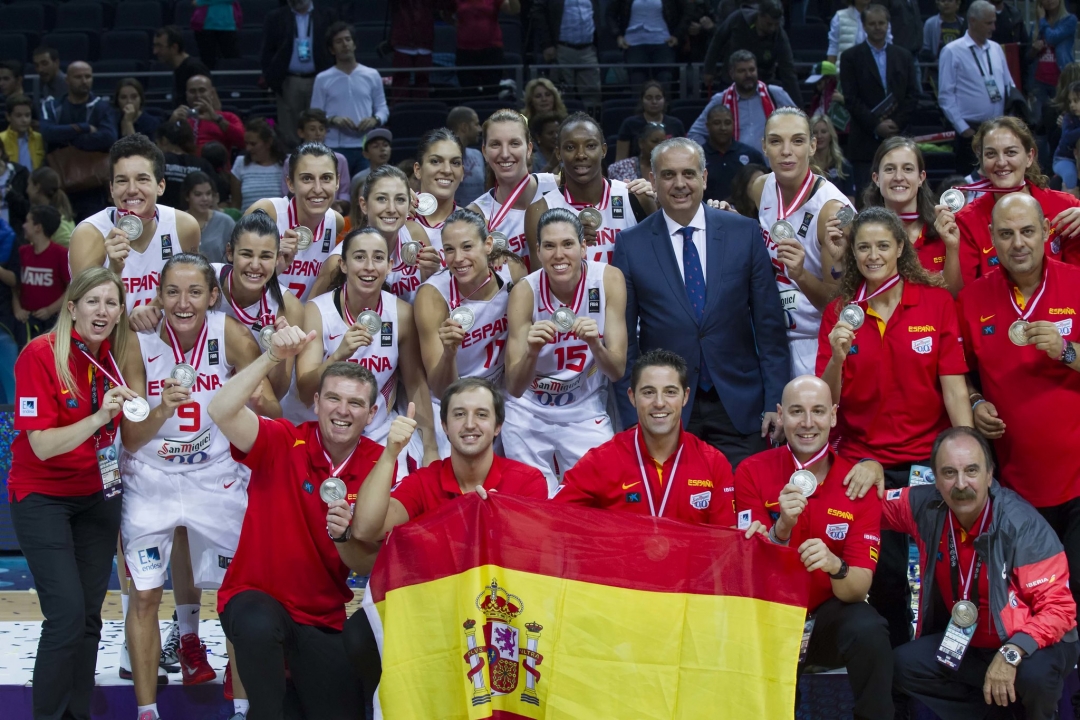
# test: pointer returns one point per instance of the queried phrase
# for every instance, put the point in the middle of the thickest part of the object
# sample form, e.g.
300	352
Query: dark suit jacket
546	17
279	31
861	84
741	339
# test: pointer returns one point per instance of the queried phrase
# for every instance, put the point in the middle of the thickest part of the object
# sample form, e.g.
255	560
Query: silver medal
304	237
499	241
564	319
184	374
426	204
1018	332
591	218
953	199
131	226
464	317
805	481
136	409
853	315
410	252
845	215
266	337
371	321
965	614
782	230
332	489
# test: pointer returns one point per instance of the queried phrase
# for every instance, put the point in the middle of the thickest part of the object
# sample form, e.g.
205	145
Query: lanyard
294	221
802	466
797	201
95	401
989	65
1035	298
861	296
604	200
545	291
344	300
196	351
306	16
645	478
241	315
958	583
498	217
985	186
335	470
455	293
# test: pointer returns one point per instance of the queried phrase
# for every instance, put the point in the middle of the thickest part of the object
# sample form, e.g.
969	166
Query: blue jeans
9	351
638	55
1065	168
355	157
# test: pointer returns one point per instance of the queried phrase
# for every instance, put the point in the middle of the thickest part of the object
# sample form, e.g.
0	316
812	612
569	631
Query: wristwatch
1068	355
842	572
343	538
1012	655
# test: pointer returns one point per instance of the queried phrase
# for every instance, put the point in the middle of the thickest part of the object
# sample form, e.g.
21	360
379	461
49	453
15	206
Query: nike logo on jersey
987	250
230	485
772	504
984	318
627	486
153	358
335	337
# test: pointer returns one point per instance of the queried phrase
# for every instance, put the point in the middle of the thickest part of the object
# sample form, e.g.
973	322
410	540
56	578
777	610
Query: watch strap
842	572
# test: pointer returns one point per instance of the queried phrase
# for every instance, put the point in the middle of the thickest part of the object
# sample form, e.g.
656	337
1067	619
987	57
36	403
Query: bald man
79	119
1019	324
210	123
798	493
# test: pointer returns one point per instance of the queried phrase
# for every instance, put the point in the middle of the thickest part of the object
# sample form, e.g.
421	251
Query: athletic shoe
193	663
125	665
227	681
238	716
170	646
149	715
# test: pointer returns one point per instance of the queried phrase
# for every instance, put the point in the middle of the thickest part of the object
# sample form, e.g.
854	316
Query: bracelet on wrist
775	539
976	404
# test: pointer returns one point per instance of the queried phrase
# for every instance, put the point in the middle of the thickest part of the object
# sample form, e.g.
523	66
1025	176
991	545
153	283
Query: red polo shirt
42	403
985	636
610	477
977	253
891	404
1035	395
851	529
931	250
432	487
285	524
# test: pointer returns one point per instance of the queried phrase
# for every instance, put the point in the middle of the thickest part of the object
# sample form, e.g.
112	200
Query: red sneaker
193	663
227	682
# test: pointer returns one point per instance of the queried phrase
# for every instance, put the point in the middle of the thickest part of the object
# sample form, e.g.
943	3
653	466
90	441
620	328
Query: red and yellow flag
510	608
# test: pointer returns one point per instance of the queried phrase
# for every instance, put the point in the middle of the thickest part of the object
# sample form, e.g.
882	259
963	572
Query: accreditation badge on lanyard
988	79
107	456
965	612
303	44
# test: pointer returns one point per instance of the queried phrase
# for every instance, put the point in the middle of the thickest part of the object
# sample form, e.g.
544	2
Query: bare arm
87	249
439	338
187	228
412	376
281	376
955	391
310	363
522	349
855	587
376	513
242	349
532	217
610	351
173	395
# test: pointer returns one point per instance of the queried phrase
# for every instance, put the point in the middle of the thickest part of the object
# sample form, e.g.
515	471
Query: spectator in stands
44	274
258	172
352	96
1064	164
313	128
218	156
14	179
203	112
169	50
377	151
846	30
412	38
541	98
199	200
880	91
740	189
22	143
699	32
294	50
725	156
215	24
480	42
829	159
825	78
567	33
544	129
751	102
11	78
973	80
1009	27
465	124
640	166
941	29
128	105
907	25
757	30
651	106
43	188
80	119
648	31
1051	50
177	141
52	79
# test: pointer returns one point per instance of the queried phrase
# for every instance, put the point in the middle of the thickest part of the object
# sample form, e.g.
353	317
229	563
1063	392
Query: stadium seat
809	42
403	149
572	104
687	113
255	11
484	108
159	83
14	47
224	80
368	38
612	114
117	71
182	14
416	105
138	16
80	17
72	46
124	45
612	141
358	11
415	122
249	42
23	18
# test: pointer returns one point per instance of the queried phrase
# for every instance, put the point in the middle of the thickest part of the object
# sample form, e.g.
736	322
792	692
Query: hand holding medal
1045	337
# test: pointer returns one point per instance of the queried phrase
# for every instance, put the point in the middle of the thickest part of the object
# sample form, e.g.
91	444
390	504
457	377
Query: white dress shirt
356	96
675	232
962	92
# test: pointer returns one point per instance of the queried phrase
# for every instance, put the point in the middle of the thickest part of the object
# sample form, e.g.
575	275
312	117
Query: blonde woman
829	159
541	96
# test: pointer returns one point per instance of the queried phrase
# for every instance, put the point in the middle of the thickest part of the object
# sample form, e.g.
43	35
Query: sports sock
188	617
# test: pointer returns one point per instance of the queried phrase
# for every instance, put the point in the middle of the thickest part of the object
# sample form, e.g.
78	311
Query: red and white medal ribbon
241	314
645	478
498	217
604	200
546	303
196	351
118	379
345	306
294	222
797	201
908	217
985	186
329	461
424	221
1035	298
861	296
965	582
802	466
120	212
455	292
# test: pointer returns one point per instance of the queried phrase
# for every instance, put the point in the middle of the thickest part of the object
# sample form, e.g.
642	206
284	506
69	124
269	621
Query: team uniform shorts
803	356
551	447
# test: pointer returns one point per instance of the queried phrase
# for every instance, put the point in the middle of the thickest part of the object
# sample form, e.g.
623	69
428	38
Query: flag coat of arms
512	608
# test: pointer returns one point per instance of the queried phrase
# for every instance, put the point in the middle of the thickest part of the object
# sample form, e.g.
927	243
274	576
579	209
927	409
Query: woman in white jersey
620	205
253	295
507	148
176	464
470	342
567	340
384	201
388	347
313	182
808	264
137	169
439	166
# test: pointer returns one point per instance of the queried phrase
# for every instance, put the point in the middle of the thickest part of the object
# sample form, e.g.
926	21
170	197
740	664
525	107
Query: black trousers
266	640
1065	519
854	636
363	653
710	422
890	593
69	544
966	160
958	694
471	80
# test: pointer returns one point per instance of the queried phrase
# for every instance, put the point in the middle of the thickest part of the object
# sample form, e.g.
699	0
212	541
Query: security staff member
64	483
837	537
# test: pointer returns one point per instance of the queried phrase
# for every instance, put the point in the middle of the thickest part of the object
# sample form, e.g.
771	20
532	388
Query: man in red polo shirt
1019	324
797	491
282	602
655	468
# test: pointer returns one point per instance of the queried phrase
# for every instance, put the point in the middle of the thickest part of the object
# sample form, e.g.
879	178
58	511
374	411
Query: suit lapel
669	266
714	259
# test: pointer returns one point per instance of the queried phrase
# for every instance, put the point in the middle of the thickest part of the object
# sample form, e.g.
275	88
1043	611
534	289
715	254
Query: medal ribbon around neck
120	212
196	351
862	297
1035	298
645	479
965	582
604	200
345	305
546	303
455	292
797	201
294	222
802	466
498	217
329	461
118	379
424	221
985	186
241	314
908	217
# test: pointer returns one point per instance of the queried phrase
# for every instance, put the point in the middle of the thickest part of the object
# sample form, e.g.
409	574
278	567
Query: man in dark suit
880	91
700	284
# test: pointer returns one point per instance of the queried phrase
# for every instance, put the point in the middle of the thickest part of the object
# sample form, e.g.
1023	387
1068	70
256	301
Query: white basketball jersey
402	279
307	263
615	209
568	386
512	223
189	438
802	318
263	313
482	351
142	270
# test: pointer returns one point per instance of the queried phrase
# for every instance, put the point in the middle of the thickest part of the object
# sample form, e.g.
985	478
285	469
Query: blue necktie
694	278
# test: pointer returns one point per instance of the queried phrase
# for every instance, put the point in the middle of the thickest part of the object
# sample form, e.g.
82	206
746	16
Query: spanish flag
509	608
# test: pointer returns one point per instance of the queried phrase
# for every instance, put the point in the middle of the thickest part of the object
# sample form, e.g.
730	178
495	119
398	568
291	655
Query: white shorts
547	446
803	356
210	502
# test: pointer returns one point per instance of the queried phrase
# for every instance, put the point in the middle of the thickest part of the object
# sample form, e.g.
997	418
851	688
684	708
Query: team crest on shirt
504	649
837	531
923	346
1064	327
700	501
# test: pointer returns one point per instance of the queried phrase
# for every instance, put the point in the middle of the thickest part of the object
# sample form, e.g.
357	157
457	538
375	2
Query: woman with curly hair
829	159
889	349
541	96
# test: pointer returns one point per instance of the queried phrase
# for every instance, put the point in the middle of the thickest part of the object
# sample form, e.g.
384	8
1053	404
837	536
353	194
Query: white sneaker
170	646
125	667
